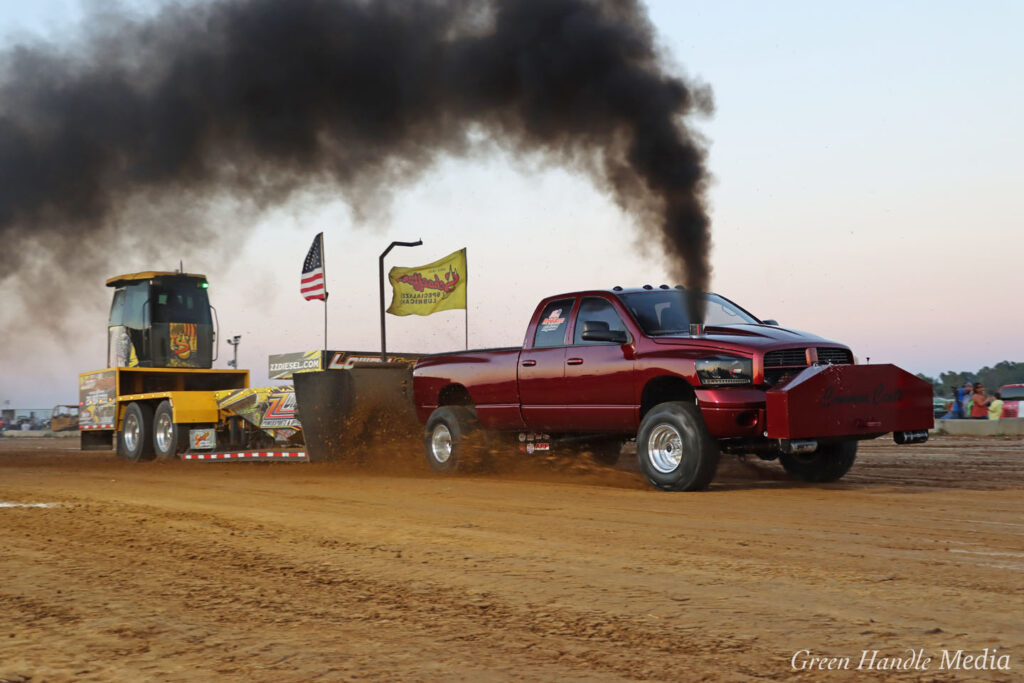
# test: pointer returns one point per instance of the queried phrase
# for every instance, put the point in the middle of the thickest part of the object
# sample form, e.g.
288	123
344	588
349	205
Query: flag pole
323	256
465	262
380	277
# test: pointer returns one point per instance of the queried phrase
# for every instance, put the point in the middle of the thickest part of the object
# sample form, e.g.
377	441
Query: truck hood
747	335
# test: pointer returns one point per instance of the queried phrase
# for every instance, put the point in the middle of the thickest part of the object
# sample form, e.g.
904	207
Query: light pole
234	341
380	277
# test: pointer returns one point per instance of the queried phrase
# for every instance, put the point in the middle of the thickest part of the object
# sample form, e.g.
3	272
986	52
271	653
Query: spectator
995	407
961	397
979	403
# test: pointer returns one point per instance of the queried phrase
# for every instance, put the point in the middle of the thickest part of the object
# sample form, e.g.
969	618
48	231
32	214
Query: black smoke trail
258	99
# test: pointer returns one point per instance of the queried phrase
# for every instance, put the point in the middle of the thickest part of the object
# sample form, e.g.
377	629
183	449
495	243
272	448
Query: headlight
720	370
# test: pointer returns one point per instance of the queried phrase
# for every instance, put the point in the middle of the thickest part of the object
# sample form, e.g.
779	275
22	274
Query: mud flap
848	401
345	409
98	440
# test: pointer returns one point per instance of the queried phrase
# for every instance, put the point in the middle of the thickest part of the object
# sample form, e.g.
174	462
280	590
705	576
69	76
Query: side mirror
773	323
599	335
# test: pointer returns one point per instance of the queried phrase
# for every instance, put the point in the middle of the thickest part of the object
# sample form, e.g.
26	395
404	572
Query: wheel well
662	389
153	404
454	395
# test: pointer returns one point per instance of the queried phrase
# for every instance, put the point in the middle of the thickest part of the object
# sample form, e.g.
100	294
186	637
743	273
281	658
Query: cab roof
121	280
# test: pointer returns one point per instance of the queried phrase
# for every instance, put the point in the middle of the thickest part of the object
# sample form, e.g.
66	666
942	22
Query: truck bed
490	375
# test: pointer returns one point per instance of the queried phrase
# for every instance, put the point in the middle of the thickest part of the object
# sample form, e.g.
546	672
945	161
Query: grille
782	365
779	376
834	356
785	357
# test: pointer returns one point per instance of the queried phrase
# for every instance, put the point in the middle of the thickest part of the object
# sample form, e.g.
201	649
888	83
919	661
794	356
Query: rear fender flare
455	395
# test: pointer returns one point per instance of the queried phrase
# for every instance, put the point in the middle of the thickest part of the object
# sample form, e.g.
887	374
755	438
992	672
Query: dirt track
547	570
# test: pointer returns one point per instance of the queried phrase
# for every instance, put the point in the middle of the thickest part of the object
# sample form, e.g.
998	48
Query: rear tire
167	436
829	463
675	450
443	436
134	442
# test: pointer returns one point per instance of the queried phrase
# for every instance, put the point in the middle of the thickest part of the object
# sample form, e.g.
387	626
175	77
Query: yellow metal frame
190	406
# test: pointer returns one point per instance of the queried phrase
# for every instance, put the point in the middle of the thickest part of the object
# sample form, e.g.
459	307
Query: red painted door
599	386
542	370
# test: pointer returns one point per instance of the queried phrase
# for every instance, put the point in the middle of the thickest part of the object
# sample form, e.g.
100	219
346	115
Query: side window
135	302
117	309
553	323
596	313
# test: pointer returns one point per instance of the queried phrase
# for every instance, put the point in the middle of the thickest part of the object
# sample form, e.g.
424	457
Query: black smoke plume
258	99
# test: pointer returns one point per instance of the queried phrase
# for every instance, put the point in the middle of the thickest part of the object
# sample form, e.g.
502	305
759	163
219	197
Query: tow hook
792	446
918	436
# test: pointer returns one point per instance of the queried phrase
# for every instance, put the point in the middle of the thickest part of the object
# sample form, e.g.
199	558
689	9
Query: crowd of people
972	402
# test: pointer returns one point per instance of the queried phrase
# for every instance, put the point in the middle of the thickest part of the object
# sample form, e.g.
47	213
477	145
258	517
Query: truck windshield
180	300
663	312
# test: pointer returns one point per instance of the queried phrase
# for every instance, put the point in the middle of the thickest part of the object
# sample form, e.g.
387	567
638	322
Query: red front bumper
848	401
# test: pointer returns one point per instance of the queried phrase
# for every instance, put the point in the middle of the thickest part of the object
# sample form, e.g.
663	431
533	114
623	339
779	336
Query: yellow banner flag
437	286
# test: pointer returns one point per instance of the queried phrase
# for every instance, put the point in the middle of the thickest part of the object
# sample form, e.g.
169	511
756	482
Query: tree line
1004	372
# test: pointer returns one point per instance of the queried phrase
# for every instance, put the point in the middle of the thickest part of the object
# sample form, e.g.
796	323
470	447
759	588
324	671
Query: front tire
133	440
675	450
829	463
167	436
443	436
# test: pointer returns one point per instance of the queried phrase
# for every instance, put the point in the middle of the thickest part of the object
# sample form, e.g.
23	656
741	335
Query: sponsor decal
202	439
881	395
184	342
542	446
552	322
282	365
266	407
280	411
343	360
295	365
96	400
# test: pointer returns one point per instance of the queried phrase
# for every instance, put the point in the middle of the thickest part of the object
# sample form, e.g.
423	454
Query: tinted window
180	301
553	323
664	311
599	311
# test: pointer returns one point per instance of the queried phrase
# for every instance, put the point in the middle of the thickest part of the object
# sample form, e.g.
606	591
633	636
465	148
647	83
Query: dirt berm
536	569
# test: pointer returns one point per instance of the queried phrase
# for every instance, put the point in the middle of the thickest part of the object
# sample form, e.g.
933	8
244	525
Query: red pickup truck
600	367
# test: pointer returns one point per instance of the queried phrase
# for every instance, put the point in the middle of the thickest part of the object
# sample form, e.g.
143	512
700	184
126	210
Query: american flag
313	285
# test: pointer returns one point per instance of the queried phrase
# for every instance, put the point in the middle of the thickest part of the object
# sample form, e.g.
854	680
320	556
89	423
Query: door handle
529	363
574	361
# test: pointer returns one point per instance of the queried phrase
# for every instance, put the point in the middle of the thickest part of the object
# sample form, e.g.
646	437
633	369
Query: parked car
1013	396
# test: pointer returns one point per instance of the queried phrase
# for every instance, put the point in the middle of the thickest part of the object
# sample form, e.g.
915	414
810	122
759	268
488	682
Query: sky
867	159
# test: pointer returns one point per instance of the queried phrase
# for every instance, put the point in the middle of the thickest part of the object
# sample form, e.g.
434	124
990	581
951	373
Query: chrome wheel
163	431
441	443
132	432
665	448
